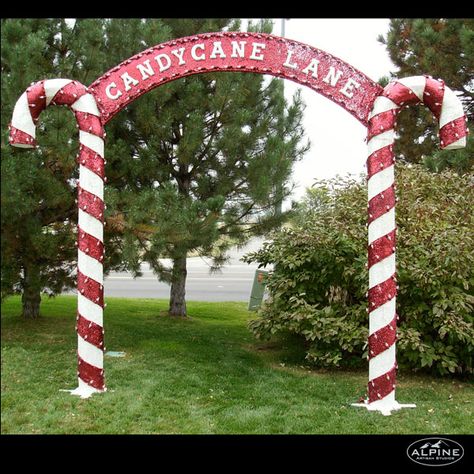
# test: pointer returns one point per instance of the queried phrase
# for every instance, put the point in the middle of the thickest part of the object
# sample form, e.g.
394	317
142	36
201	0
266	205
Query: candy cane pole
91	212
448	110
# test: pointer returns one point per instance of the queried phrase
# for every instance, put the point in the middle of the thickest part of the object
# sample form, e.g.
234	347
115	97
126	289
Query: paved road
234	283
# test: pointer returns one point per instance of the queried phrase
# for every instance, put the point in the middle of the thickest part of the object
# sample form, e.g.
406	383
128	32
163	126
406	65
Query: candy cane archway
373	106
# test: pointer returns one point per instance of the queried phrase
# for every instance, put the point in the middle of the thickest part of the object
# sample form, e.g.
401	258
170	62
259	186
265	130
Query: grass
202	375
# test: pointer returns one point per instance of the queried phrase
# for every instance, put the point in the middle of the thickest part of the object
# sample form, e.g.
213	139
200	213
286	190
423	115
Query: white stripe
90	267
380	141
86	103
451	108
22	119
416	84
94	142
90	225
89	310
382	271
89	181
461	143
382	363
382	104
52	86
380	181
91	354
382	225
382	316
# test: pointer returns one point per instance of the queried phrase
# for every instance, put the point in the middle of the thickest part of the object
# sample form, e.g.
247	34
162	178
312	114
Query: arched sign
331	77
238	52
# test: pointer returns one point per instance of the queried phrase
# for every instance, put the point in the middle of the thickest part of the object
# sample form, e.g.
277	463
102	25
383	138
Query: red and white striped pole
90	208
448	110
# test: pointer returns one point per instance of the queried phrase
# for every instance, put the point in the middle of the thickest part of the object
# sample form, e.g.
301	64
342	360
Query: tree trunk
178	288
31	297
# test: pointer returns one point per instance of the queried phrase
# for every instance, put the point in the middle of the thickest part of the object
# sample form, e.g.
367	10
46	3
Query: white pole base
84	390
384	406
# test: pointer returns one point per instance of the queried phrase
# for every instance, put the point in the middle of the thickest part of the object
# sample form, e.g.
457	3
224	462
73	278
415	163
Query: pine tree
195	165
38	219
442	48
198	164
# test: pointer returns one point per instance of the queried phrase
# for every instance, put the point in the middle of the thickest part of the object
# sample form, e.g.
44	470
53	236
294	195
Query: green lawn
203	375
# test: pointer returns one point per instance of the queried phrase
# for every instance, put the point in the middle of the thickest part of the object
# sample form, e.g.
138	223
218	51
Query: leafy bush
319	283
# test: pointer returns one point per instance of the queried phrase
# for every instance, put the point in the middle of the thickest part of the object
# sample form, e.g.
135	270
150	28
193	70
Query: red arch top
239	52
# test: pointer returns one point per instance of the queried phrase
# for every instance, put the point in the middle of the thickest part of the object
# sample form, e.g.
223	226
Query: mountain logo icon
438	444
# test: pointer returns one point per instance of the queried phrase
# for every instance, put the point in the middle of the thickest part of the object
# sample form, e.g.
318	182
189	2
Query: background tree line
196	165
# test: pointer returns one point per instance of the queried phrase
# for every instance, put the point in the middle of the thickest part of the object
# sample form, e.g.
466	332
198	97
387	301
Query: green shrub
319	283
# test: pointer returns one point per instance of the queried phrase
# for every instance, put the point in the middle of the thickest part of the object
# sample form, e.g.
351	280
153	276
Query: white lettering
217	50
158	59
313	67
332	77
127	80
146	69
109	94
288	59
238	49
347	90
179	54
256	50
202	57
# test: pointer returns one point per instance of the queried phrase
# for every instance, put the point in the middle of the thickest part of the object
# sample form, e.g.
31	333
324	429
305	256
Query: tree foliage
442	48
38	187
194	165
319	284
39	212
198	164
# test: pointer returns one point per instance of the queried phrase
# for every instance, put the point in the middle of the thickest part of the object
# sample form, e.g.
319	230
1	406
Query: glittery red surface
91	204
91	375
433	96
19	137
380	294
90	245
90	123
400	94
90	289
382	247
68	94
380	123
91	160
453	131
90	331
36	97
379	160
381	203
274	53
380	340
